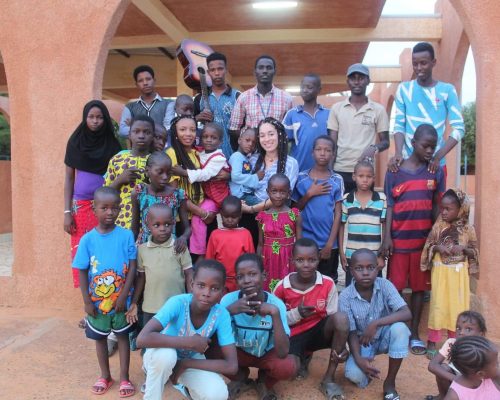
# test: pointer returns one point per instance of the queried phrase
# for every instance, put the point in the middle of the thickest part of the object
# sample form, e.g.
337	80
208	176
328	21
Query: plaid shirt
251	107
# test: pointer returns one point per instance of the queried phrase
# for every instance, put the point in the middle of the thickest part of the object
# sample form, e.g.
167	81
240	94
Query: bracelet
205	217
67	211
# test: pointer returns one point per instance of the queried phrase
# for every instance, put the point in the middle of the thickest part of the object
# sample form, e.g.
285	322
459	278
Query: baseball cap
360	68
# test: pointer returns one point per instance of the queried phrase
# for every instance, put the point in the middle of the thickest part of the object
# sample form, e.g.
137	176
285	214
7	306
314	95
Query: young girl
177	337
451	254
159	191
476	358
469	323
229	242
213	165
279	227
88	152
183	154
127	169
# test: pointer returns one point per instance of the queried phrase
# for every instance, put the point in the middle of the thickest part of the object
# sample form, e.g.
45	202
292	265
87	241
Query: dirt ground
44	355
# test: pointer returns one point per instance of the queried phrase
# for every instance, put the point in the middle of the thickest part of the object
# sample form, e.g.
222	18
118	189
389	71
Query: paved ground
44	355
6	254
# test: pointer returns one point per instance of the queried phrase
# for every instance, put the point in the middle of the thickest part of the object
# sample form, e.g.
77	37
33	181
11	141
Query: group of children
165	201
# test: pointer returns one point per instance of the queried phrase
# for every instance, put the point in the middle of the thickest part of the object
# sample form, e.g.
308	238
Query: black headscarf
91	151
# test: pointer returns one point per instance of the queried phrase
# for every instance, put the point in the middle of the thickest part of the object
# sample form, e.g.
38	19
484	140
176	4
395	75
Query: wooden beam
388	29
156	11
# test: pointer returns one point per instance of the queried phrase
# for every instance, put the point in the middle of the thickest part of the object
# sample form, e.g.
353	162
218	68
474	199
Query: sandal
102	384
331	391
393	395
431	397
127	389
236	388
417	347
430	354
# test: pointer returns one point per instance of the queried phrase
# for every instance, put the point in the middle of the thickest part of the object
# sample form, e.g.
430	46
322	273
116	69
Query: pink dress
278	230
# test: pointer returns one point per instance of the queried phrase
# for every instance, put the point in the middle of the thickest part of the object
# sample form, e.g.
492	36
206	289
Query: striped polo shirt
411	194
364	225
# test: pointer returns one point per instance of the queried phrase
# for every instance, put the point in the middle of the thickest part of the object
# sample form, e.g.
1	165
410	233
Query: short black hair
359	252
216	127
425	129
231	201
474	316
364	164
159	207
249	257
157	156
305	242
423	46
143	68
143	118
106	191
183	98
469	354
324	137
314	76
267	57
278	177
208	263
216	57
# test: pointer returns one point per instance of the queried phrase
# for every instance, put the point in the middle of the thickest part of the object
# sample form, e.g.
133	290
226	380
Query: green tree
469	140
4	139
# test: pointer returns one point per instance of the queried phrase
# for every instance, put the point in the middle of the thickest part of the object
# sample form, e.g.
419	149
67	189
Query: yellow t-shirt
183	182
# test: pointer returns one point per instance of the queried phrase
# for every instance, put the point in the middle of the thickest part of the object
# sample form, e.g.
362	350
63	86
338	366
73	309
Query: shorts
404	271
100	326
310	340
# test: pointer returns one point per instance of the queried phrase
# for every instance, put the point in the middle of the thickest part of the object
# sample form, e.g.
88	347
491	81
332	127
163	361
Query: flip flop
393	395
102	383
236	388
331	391
430	354
415	345
126	385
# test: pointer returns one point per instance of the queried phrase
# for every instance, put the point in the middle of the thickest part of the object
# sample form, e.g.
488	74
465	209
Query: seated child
377	315
159	138
229	242
476	358
363	215
243	182
162	272
311	300
469	323
261	331
177	337
106	258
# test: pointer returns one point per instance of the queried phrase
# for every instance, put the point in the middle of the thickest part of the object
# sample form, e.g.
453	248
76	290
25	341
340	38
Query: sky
387	53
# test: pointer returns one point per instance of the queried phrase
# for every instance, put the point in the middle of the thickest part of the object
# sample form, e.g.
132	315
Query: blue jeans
393	339
251	199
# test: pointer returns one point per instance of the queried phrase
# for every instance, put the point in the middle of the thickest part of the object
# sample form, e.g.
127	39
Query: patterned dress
146	200
278	229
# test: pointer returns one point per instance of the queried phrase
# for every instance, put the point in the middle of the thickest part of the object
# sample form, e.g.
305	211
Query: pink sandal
102	384
126	385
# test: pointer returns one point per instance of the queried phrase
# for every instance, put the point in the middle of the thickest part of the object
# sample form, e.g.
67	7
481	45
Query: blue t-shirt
175	318
107	257
254	333
243	180
302	129
318	213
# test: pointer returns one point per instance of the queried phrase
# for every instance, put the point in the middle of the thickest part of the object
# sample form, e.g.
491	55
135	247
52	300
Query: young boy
177	337
243	182
305	123
413	194
377	316
318	195
162	273
363	211
106	258
226	244
261	331
311	301
160	138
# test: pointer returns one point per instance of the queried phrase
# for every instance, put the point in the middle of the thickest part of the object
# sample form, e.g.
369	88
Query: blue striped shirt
385	301
364	225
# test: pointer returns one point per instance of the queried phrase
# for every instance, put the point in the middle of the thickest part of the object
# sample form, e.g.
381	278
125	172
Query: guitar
204	89
193	55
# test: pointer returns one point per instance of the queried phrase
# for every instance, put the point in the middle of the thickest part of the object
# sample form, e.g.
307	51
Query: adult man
305	123
221	99
426	101
149	103
261	101
354	125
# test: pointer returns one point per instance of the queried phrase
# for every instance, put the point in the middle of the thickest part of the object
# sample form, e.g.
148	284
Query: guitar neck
204	89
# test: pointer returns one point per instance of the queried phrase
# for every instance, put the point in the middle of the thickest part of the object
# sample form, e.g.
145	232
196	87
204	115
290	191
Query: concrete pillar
54	52
480	20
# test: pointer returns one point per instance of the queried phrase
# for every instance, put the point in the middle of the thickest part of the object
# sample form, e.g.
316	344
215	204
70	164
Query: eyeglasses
369	268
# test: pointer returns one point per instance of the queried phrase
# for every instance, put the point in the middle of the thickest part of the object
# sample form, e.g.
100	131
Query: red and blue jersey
410	194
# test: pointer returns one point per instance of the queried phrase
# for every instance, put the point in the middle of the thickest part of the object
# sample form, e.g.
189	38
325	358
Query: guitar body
193	55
